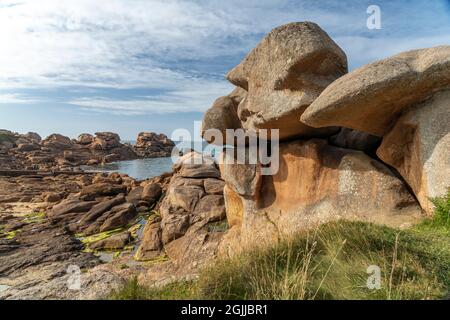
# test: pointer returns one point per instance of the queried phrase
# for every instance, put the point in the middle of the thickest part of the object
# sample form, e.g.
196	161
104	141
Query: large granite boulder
192	204
283	75
222	116
371	98
386	99
317	183
418	146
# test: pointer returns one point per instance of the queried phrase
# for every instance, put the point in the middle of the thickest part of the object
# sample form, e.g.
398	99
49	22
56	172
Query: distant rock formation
58	152
152	145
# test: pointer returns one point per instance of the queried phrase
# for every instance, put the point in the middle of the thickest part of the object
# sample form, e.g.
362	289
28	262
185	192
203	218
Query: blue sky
130	65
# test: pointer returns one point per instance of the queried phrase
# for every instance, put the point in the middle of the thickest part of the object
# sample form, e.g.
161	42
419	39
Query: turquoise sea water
139	169
147	168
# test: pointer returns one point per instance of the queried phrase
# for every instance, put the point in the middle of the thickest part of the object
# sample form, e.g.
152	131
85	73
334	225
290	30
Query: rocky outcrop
223	115
403	99
152	145
386	134
60	153
282	76
191	210
88	215
315	183
418	146
371	98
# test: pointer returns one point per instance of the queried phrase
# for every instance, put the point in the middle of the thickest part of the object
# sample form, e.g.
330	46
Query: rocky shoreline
159	229
59	153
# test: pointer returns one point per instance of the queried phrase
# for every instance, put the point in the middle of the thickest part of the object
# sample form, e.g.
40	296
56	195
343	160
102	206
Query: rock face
283	75
418	146
371	98
40	240
223	115
317	183
388	114
152	145
191	210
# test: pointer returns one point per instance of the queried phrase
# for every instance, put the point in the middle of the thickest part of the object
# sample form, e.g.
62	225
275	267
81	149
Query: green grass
174	291
330	262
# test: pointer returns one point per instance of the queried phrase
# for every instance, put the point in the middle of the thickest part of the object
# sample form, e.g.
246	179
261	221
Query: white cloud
126	44
195	98
10	98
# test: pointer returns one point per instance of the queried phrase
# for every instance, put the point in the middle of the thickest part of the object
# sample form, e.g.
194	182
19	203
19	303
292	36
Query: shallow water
140	169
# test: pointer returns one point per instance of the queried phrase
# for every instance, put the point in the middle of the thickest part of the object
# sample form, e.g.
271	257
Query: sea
142	169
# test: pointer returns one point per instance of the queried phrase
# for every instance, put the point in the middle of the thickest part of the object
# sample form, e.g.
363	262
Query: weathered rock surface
38	246
357	140
283	75
223	115
60	153
371	98
152	145
151	246
115	242
317	183
193	204
418	146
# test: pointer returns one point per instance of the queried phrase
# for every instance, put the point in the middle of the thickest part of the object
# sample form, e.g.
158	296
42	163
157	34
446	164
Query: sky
156	65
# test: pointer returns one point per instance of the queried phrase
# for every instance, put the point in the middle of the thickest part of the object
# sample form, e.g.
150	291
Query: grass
335	261
174	291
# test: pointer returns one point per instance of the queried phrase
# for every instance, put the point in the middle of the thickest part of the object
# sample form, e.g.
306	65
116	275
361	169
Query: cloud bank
178	50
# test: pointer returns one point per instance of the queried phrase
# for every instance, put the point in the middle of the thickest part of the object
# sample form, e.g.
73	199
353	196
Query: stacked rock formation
352	145
191	217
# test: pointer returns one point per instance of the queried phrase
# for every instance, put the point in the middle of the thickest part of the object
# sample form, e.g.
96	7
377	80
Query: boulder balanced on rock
282	76
394	111
404	99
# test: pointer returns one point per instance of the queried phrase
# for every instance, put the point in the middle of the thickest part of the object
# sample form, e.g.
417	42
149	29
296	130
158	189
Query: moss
35	217
8	235
86	240
134	230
